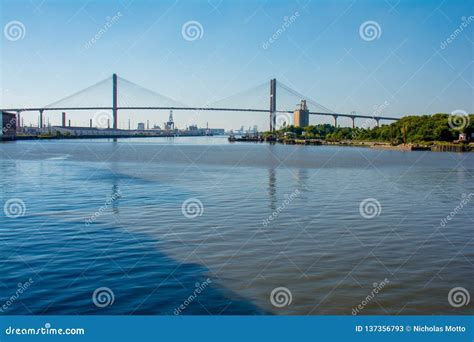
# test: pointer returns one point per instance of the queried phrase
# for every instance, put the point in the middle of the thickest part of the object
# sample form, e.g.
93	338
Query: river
201	226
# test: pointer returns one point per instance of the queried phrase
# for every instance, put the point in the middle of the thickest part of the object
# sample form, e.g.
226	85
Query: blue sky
321	54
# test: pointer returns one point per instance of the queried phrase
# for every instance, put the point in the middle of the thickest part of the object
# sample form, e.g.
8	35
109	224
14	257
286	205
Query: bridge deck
20	110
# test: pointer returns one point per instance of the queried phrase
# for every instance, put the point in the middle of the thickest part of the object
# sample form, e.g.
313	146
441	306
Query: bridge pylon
114	100
272	104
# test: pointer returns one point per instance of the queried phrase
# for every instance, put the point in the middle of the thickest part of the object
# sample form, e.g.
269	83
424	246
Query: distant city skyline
388	58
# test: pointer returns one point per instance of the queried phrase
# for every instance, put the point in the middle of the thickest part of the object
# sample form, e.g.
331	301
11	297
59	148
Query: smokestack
64	120
90	123
148	124
69	123
108	123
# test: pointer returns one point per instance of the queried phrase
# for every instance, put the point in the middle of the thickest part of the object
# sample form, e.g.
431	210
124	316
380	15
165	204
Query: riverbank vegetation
424	129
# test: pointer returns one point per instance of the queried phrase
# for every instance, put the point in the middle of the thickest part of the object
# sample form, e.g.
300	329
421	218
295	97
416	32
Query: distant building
88	131
8	125
301	115
463	137
217	131
141	126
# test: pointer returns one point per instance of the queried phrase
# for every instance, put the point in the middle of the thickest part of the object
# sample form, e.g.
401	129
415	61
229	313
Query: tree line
409	129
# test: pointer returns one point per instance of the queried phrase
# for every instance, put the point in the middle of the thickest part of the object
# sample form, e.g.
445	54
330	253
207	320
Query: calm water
140	245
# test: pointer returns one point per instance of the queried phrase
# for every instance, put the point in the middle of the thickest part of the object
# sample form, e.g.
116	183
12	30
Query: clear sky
405	67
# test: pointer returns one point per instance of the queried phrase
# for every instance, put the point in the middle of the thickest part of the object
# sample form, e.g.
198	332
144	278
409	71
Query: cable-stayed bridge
117	94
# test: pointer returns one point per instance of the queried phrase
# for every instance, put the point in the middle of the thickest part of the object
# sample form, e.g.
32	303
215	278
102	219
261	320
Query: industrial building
88	131
8	125
301	115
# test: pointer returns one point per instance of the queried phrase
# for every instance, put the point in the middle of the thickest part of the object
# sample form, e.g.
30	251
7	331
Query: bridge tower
272	104
114	100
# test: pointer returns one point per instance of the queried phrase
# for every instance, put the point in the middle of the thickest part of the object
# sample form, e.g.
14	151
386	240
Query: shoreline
435	147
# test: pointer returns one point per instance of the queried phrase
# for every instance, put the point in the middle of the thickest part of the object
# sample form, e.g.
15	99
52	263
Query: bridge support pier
353	122
335	120
272	105
377	122
114	99
41	118
18	121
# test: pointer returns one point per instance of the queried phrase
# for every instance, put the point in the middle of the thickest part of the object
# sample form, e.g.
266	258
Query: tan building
301	115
